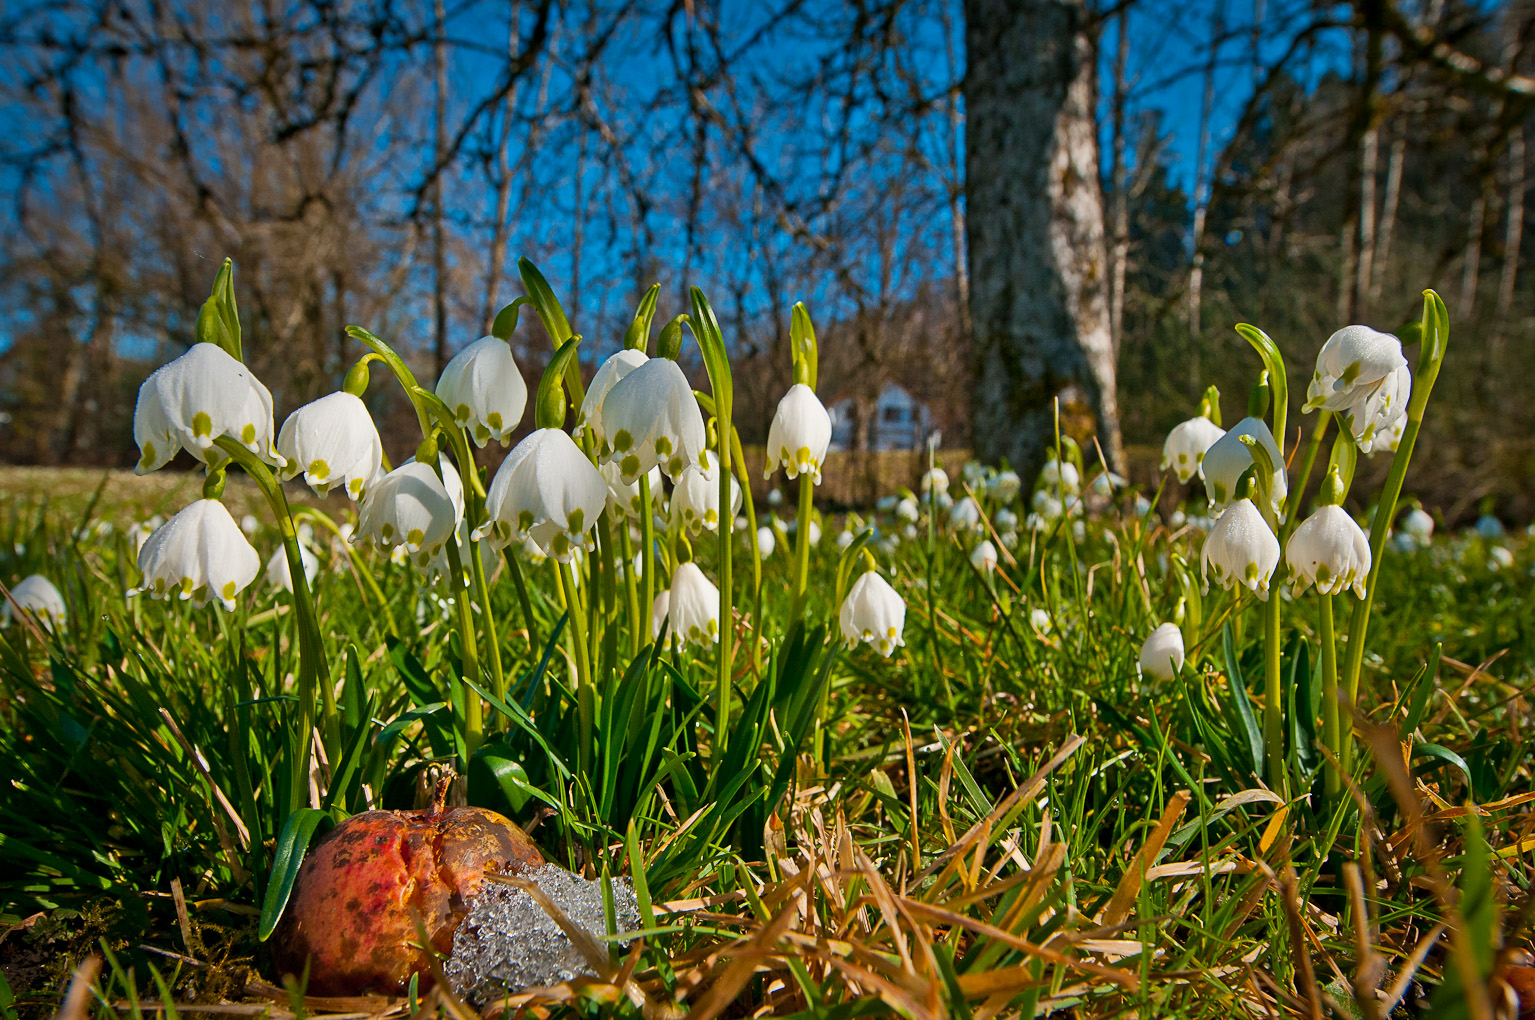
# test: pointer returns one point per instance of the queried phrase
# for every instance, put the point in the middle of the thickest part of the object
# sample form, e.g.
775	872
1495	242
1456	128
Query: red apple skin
353	912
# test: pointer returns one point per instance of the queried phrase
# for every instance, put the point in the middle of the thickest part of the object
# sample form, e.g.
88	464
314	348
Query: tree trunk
1388	216
439	149
503	181
1514	236
1369	164
1201	203
1120	253
1036	246
1470	274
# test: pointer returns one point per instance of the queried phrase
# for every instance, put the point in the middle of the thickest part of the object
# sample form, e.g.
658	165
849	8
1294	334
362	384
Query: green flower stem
802	546
358	564
638	632
1435	335
756	549
313	671
1273	687
727	627
648	552
606	575
402	372
1329	688
520	583
492	637
1298	489
474	716
585	706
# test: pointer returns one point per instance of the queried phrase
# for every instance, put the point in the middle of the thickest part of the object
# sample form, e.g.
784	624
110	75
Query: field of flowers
992	747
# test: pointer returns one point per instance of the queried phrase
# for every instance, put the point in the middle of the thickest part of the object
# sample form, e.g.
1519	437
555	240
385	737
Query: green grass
969	828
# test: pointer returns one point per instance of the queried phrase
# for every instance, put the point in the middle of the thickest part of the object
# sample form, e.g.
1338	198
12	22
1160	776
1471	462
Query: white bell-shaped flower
766	542
624	497
412	509
1162	654
984	557
694	606
845	538
1228	457
1056	476
545	489
1331	551
333	441
200	554
658	610
1040	620
1381	411
873	612
1241	549
1005	520
799	434
1418	526
1184	450
1004	486
696	499
907	510
965	515
280	575
485	391
607	376
37	595
974	473
650	417
1352	362
935	478
1009	540
1387	438
1046	505
191	401
815	530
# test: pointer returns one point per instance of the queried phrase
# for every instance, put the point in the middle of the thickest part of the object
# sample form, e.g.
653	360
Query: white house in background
901	422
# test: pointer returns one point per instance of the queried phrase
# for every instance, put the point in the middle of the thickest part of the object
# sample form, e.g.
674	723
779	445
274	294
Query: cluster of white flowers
1362	374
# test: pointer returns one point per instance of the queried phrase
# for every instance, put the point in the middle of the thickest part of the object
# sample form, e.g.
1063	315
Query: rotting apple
356	903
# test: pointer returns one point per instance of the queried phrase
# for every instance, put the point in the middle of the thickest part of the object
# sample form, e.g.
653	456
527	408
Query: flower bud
1162	654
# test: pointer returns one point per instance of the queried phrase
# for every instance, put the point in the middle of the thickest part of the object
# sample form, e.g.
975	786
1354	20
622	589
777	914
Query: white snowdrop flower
188	403
333	441
1388	437
815	533
1351	363
942	498
974	473
1009	540
37	595
1005	485
1418	526
1241	550
651	417
200	555
775	497
606	377
1035	521
1381	412
984	557
694	606
935	478
965	515
278	573
412	509
546	489
907	509
1178	519
873	612
1184	449
741	523
658	610
1142	505
910	532
1489	527
1057	476
1040	620
1046	506
1162	653
484	390
1078	532
249	524
1499	558
624	497
799	434
845	538
1104	483
766	542
1005	520
1331	551
1228	457
696	499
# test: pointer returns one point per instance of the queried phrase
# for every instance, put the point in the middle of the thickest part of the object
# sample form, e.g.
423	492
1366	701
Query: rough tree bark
1037	253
